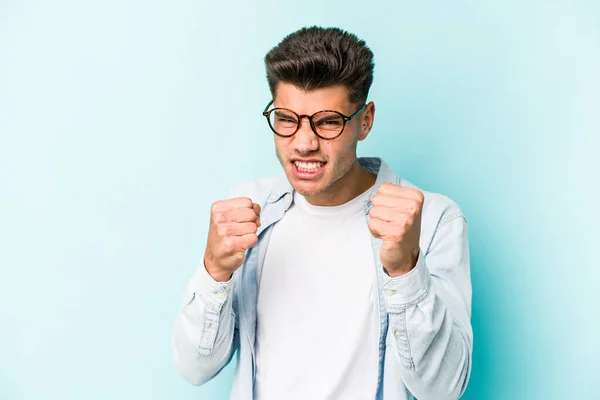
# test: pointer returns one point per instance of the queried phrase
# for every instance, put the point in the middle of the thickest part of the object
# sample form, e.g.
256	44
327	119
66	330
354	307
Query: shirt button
221	295
398	332
263	219
389	292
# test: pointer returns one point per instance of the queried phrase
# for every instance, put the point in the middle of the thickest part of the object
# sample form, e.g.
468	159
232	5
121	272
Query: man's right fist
233	226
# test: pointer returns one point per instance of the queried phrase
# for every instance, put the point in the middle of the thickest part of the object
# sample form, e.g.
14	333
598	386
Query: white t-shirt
317	323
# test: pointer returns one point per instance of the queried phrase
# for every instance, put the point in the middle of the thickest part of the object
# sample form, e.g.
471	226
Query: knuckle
253	240
247	202
414	207
419	195
224	230
219	217
250	213
229	245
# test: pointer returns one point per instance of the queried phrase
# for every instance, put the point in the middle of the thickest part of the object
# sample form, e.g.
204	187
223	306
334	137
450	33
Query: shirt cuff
407	290
214	293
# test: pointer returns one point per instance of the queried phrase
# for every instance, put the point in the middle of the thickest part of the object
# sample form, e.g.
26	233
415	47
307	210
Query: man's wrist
398	272
216	273
221	276
409	266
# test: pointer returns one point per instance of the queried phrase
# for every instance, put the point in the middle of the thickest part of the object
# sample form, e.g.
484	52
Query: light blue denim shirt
426	341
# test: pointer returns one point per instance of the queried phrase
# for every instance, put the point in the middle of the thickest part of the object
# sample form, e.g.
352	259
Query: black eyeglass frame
345	118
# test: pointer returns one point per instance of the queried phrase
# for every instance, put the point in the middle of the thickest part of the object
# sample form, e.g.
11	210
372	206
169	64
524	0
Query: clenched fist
395	217
233	226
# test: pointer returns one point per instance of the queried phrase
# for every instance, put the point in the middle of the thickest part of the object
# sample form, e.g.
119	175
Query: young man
337	279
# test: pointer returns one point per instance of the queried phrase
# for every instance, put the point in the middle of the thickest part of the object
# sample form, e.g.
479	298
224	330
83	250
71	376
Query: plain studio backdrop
122	121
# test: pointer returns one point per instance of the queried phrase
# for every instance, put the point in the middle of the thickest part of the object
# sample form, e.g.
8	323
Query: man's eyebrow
284	112
329	116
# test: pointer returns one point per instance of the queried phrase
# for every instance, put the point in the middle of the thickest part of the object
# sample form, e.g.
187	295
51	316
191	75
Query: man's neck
354	183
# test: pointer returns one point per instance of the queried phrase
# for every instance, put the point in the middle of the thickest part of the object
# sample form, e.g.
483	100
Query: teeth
308	165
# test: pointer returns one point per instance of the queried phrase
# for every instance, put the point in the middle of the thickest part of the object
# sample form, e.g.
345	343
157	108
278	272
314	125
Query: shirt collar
282	188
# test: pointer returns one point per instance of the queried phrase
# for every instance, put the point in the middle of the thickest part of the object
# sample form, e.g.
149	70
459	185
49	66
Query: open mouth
308	169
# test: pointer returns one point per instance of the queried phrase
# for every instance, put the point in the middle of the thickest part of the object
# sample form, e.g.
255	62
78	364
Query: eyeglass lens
326	123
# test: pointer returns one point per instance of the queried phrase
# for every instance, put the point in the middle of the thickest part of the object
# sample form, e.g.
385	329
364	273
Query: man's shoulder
259	189
436	206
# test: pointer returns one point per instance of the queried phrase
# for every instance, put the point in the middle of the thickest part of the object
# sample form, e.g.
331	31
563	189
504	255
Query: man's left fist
396	218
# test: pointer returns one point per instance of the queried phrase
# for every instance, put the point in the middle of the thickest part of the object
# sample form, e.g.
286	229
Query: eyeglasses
326	124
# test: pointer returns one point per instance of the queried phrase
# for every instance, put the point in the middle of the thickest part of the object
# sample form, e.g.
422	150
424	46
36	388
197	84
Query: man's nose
305	139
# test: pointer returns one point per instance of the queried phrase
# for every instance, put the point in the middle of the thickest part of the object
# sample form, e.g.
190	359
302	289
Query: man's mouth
308	169
311	166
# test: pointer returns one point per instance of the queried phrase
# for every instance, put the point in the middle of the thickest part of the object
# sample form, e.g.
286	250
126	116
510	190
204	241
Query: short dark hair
316	57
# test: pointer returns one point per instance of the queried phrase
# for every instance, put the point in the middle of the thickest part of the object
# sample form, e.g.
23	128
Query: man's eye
286	120
330	122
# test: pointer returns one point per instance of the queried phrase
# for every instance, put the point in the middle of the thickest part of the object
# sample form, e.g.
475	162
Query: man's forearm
429	317
203	335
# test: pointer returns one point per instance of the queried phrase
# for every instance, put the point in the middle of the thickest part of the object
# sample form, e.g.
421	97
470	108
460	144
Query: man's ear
366	120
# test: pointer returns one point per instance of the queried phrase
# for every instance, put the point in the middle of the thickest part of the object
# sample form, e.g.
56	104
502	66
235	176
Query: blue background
117	134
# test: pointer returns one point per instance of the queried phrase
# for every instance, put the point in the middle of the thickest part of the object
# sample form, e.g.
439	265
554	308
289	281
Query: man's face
315	167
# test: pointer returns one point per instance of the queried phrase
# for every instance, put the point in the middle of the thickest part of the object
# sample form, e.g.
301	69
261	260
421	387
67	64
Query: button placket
211	323
209	334
398	323
221	295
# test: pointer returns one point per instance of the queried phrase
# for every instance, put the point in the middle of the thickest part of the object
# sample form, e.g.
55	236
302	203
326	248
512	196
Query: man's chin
307	189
